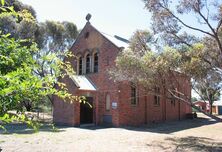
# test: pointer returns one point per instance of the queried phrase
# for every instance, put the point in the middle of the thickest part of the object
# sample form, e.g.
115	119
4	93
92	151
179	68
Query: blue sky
115	17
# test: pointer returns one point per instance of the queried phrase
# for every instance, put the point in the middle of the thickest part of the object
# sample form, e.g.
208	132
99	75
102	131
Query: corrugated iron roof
83	83
116	40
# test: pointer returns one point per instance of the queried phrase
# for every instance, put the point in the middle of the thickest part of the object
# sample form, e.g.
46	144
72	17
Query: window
107	61
107	102
87	63
133	94
80	66
86	35
157	96
95	59
173	101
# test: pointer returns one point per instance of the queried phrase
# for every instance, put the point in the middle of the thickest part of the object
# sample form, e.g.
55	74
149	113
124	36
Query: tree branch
214	35
188	26
181	40
219	25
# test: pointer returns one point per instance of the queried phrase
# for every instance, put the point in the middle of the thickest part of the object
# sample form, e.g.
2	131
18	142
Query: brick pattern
125	113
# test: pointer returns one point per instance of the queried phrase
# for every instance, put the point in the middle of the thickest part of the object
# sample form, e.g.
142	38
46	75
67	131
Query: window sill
134	105
91	73
156	105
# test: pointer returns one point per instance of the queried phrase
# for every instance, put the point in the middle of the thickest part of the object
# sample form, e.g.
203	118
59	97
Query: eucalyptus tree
167	69
170	21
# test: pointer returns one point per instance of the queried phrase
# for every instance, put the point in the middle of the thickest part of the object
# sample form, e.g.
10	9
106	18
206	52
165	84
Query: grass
2	141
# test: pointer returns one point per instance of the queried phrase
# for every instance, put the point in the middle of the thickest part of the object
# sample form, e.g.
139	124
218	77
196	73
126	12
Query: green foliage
19	80
10	118
168	19
2	2
20	24
193	99
148	69
18	6
140	41
169	24
198	58
52	36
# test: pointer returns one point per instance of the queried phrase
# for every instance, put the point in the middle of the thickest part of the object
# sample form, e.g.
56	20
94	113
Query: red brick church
113	103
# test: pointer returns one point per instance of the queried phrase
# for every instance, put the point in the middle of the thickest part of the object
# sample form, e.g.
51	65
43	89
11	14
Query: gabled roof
83	83
119	43
215	103
116	40
201	101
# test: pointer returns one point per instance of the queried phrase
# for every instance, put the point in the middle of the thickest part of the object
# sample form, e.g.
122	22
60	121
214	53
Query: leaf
11	8
7	35
3	9
3	2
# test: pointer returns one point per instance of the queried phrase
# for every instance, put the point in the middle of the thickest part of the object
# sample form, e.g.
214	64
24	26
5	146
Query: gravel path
200	134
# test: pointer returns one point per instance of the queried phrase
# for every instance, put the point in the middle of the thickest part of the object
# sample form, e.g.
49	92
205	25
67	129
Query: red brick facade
121	111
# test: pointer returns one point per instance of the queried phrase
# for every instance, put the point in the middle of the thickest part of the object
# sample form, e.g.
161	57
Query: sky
114	17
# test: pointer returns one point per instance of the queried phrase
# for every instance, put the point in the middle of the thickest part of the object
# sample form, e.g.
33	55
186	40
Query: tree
18	82
141	41
52	38
19	6
193	99
206	81
209	88
165	69
168	22
148	68
19	27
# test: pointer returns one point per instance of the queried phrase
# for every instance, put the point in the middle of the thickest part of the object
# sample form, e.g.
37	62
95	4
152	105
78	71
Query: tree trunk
28	108
197	108
209	115
28	105
211	102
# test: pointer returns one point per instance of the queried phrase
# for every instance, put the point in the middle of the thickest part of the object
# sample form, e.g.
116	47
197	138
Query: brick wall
63	112
107	55
125	113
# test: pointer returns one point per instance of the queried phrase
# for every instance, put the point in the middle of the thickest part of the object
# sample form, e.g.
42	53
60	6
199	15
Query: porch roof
83	83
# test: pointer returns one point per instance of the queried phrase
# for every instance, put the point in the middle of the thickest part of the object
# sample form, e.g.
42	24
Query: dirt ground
202	134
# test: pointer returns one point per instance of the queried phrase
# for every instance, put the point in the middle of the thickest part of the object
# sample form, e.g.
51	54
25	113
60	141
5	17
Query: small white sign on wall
114	105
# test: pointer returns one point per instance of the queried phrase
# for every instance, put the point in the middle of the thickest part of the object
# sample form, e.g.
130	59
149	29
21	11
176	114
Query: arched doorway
86	111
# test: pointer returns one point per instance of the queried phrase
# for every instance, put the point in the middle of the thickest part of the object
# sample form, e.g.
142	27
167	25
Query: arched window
80	71
107	102
133	94
157	96
87	63
95	62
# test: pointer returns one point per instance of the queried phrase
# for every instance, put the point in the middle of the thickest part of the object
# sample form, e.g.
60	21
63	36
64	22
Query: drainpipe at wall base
96	109
179	110
145	110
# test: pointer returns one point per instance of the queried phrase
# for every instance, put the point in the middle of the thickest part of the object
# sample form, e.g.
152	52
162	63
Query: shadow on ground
164	128
174	126
24	129
191	143
188	144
